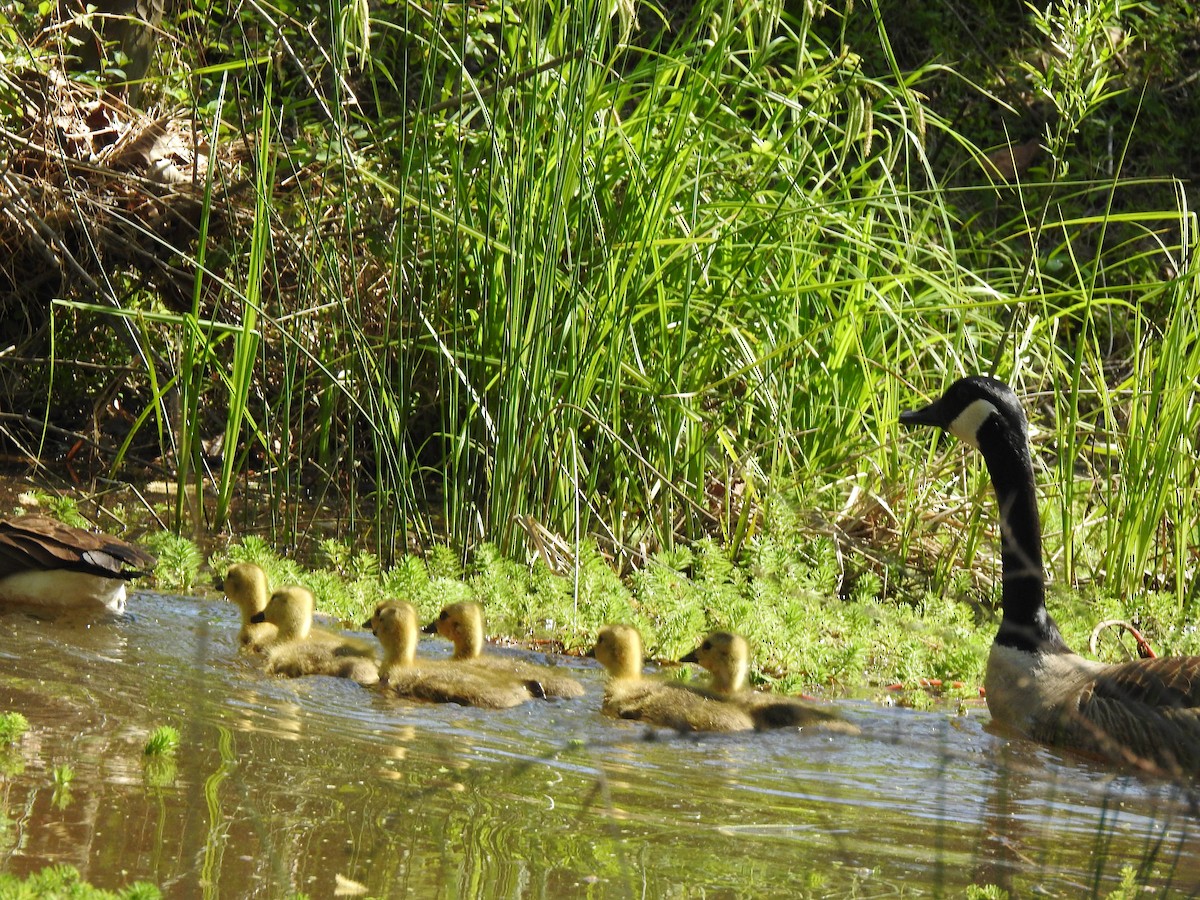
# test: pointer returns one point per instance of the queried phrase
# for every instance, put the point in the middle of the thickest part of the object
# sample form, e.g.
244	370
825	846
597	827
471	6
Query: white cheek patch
967	423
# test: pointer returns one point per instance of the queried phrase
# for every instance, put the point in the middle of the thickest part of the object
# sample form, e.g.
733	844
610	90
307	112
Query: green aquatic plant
179	561
63	776
12	726
63	507
58	882
163	741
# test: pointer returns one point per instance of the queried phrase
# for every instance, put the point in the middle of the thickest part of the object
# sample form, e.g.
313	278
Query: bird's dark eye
444	616
707	645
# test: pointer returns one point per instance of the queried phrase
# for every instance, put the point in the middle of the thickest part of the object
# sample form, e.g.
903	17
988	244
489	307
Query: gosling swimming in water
297	651
628	695
246	585
727	657
438	681
462	623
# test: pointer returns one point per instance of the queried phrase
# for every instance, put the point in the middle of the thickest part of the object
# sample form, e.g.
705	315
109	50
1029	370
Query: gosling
246	585
462	623
727	657
446	681
630	696
297	651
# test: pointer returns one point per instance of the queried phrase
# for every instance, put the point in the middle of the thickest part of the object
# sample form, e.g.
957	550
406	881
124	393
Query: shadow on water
316	785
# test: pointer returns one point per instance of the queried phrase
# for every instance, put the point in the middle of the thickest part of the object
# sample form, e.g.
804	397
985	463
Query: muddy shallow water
319	786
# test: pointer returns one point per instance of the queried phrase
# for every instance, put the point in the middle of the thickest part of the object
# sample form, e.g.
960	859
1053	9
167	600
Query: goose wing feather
36	542
1146	711
1167	681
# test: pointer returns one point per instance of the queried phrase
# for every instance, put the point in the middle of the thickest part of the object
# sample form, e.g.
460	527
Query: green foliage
12	726
64	508
63	776
179	561
986	892
60	882
1131	885
162	742
651	304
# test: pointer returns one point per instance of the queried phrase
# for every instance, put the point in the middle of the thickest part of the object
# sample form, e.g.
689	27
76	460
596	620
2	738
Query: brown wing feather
1145	712
35	542
1167	681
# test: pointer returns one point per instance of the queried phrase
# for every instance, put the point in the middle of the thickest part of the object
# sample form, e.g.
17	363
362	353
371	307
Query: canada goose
727	657
1145	712
246	585
299	651
630	696
440	681
462	623
47	564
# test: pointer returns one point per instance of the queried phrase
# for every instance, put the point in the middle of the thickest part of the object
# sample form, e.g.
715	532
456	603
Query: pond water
320	786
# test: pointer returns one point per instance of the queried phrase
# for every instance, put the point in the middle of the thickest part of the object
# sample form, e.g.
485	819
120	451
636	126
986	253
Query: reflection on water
317	785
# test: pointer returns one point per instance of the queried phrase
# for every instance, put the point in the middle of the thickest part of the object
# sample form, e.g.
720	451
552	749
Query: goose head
462	623
395	624
978	410
985	413
727	657
290	610
619	649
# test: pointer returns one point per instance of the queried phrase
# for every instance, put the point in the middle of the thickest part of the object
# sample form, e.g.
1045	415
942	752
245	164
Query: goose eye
444	616
707	645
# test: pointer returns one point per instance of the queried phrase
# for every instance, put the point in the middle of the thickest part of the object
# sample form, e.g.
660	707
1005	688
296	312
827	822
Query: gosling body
1144	713
629	695
50	565
245	584
727	658
437	681
462	623
296	652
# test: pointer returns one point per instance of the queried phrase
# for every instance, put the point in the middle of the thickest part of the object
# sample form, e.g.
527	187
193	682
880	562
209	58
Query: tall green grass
523	276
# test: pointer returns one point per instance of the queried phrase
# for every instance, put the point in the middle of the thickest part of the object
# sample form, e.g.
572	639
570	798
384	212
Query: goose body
1145	713
727	657
296	651
462	623
438	681
45	563
628	695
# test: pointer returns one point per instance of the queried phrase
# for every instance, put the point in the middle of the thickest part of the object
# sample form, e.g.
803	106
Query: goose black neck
1025	624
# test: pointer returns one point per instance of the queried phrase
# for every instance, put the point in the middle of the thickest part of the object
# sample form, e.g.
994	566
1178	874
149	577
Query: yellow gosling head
246	585
290	610
462	623
395	624
727	657
619	649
